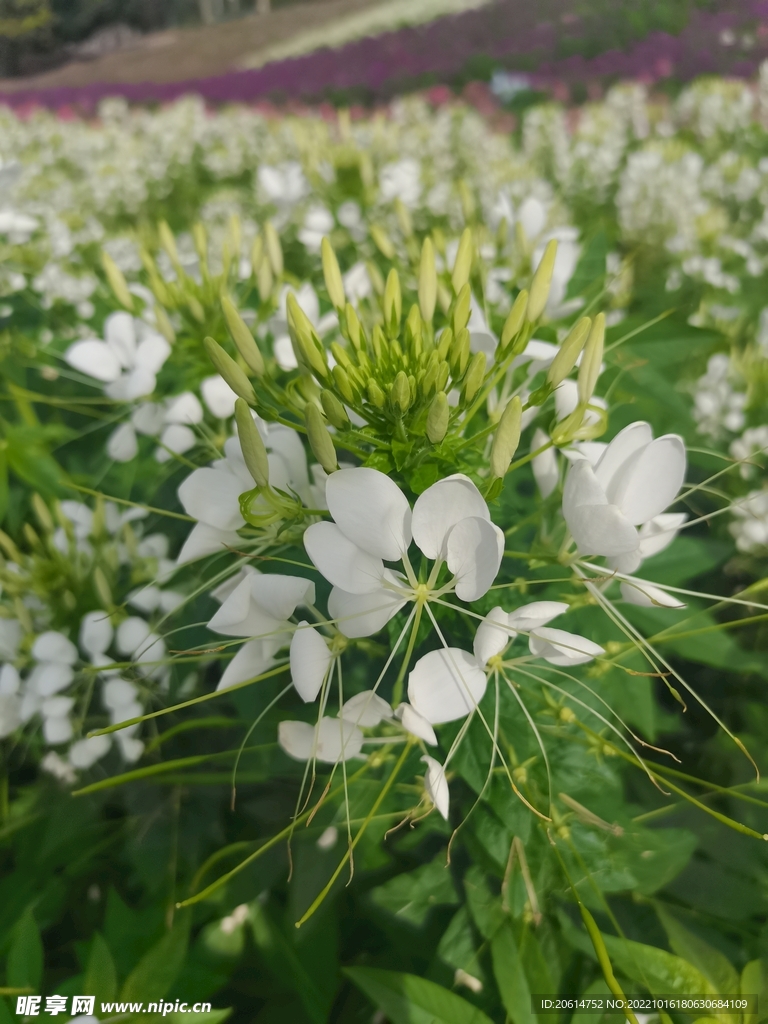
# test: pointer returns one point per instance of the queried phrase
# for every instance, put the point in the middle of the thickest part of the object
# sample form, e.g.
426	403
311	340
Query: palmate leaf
407	999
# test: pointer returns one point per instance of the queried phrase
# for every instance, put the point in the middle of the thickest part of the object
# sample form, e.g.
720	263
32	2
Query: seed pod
334	410
459	356
251	444
382	241
400	393
541	282
274	249
393	301
227	368
376	396
332	275
320	441
507	437
515	320
474	376
568	353
437	418
463	265
242	337
343	384
116	281
427	281
589	370
462	309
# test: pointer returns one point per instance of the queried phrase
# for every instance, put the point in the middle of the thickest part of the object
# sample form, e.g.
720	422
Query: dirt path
200	52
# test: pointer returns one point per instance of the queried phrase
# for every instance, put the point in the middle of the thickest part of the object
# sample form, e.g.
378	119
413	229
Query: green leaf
423	477
25	957
510	976
3	481
412	895
100	972
458	947
406	999
212	1017
157	970
711	962
661	972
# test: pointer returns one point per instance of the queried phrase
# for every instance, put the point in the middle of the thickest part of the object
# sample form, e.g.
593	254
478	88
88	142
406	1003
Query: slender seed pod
334	410
515	320
393	301
320	441
400	393
227	368
116	281
242	337
251	444
462	268
589	370
540	285
507	437
568	353
427	281
274	249
474	375
437	418
332	276
461	310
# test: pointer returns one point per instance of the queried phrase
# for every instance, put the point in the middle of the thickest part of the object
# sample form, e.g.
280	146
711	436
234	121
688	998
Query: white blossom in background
750	522
718	408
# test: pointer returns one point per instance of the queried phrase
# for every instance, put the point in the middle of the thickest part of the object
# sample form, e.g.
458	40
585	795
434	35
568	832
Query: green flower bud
393	302
437	418
311	350
427	281
444	343
102	588
196	308
168	242
242	337
274	249
515	320
400	393
376	396
541	282
116	281
343	384
378	341
341	355
568	353
257	253
320	441
413	323
589	370
443	373
462	309
382	241
334	410
251	444
459	356
264	280
227	368
200	239
462	268
332	275
353	326
43	514
474	376
403	218
507	437
164	325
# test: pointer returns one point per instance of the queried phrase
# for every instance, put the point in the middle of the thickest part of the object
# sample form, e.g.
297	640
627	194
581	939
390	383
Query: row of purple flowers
731	41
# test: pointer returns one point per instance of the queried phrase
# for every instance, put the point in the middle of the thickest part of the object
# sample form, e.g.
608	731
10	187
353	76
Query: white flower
366	709
10	637
127	366
310	660
318	222
218	396
373	522
750	526
135	640
499	628
436	785
333	740
401	180
446	685
55	655
646	595
85	753
634	480
415	724
561	648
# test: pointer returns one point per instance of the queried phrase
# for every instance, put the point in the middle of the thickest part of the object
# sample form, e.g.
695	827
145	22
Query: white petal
643	593
474	552
130	747
80	516
123	445
57	730
56	707
365	709
239	615
218	397
436	785
653	481
629	440
566	399
118	693
279	595
120	335
206	540
151	353
96	633
310	660
359	615
50	677
343	563
371	510
493	635
213	497
185	408
297	739
54	646
176	438
535	614
338	740
133	384
10	680
148	418
87	752
659	532
10	636
131	634
222	592
440	507
145	599
286	442
251	660
561	648
285	357
94	358
445	685
416	724
545	470
597	527
10	717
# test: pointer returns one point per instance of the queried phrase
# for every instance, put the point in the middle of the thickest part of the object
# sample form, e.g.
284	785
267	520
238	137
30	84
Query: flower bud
400	393
164	325
227	368
341	355
437	418
429	380
413	325
320	441
274	249
382	241
200	239
376	396
507	437
102	587
463	265
264	280
257	253
541	282
474	376
459	356
242	337
334	410
311	351
515	320
589	370
168	242
378	341
353	326
116	281
343	384
462	309
393	301
427	281
43	514
403	218
568	353
444	343
251	444
443	373
332	275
